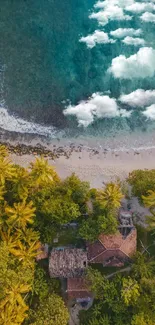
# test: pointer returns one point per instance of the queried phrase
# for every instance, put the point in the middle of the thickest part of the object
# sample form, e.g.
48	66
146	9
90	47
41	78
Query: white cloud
111	12
128	40
106	3
139	7
148	17
139	98
123	32
98	37
150	112
139	65
97	106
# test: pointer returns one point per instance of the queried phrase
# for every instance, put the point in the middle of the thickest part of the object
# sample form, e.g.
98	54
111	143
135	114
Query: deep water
44	66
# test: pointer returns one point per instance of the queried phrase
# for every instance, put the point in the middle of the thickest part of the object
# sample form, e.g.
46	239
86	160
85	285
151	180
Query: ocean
77	68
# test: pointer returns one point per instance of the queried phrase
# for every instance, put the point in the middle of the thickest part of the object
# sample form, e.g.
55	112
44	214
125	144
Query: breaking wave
15	124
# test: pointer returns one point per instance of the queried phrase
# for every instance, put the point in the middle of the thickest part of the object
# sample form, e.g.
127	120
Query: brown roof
113	246
77	288
126	245
67	263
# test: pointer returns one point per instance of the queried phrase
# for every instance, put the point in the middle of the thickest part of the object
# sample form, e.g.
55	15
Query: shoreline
97	166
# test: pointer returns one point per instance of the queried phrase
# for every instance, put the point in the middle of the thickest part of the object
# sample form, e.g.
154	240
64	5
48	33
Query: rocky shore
40	150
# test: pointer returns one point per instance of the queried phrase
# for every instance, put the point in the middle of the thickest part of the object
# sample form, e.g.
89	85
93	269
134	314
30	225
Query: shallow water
43	65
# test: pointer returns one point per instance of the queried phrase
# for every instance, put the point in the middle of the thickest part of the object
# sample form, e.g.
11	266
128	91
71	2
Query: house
67	262
116	249
77	289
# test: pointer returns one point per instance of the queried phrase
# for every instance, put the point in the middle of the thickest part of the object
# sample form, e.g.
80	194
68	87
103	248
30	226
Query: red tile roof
112	246
126	245
77	288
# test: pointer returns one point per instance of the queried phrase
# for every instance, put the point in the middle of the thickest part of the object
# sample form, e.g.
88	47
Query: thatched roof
67	262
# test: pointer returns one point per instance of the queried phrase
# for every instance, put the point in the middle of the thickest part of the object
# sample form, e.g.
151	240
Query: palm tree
110	197
14	295
7	170
2	192
13	306
13	315
42	173
28	235
149	201
26	254
3	151
20	183
10	240
20	215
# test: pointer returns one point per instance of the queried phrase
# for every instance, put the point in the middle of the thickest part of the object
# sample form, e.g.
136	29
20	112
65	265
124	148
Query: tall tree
42	173
130	291
142	181
51	311
26	254
110	197
7	170
20	215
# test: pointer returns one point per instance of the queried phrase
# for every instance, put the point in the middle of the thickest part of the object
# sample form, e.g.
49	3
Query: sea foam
16	124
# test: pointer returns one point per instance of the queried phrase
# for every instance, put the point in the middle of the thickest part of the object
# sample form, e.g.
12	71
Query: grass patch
68	237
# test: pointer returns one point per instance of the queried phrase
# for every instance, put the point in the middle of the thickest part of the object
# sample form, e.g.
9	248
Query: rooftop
77	288
67	262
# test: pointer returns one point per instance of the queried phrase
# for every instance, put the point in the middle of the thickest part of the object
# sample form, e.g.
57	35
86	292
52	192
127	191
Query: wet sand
94	165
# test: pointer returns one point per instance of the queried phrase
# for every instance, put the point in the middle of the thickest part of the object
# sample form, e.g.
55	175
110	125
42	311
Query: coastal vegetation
36	207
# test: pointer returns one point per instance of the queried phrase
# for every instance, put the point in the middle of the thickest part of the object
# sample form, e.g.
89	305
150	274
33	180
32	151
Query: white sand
98	168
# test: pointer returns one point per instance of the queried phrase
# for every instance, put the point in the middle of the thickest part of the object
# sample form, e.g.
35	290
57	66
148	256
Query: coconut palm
14	295
26	254
20	214
20	184
2	192
11	240
110	197
42	173
28	235
13	315
7	170
3	151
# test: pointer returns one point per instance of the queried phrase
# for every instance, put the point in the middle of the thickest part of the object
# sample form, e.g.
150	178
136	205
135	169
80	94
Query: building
67	262
115	250
77	289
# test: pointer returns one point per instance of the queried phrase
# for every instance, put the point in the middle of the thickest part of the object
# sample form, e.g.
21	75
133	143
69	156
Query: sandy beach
95	166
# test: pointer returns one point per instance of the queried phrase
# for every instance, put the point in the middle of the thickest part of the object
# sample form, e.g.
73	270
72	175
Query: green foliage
40	285
60	210
142	181
79	191
91	228
142	267
96	282
110	197
51	311
130	291
141	319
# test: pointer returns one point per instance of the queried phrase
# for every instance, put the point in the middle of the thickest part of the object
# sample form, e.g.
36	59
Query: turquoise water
44	66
